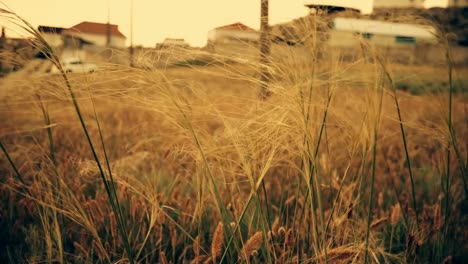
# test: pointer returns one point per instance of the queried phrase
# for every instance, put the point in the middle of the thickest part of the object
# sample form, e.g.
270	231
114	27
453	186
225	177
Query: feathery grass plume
340	255
394	218
165	198
403	133
174	238
44	46
395	215
217	243
380	200
282	231
377	224
252	245
196	246
289	239
163	258
199	259
275	227
208	261
437	215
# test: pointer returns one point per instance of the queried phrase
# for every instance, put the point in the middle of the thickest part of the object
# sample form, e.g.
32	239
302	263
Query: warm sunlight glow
157	20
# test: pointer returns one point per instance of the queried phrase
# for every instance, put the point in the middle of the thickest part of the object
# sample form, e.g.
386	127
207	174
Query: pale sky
155	20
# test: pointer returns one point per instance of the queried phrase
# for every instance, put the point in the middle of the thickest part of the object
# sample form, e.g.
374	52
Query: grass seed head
253	244
437	218
217	243
395	215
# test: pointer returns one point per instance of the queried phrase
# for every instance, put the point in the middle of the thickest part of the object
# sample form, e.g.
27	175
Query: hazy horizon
154	22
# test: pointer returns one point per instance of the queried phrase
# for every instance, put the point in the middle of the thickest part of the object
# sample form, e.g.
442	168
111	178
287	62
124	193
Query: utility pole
131	33
108	28
2	46
264	50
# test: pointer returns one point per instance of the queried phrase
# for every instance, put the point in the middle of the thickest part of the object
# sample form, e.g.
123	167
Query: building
53	35
398	3
332	6
173	42
457	3
98	34
348	32
236	32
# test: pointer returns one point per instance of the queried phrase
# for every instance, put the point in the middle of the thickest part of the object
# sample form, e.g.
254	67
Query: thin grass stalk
15	169
28	193
56	192
241	217
252	195
403	136
55	60
98	163
266	205
462	164
302	166
312	178
310	192
318	180
374	162
448	56
49	213
264	223
221	207
223	210
47	121
95	156
392	232
181	228
397	195
353	152
452	134
305	107
268	221
466	141
371	196
106	158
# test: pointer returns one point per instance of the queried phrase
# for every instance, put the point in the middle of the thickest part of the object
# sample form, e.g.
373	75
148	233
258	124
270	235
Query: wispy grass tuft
189	165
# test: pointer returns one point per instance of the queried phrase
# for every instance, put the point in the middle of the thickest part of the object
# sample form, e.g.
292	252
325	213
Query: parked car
76	65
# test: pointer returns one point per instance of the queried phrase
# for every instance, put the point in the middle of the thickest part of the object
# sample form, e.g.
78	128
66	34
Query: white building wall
399	3
100	40
223	35
339	38
54	40
175	42
350	39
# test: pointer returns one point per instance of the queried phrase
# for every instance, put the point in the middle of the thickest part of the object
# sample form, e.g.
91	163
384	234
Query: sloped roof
48	29
354	5
332	9
237	26
383	28
97	28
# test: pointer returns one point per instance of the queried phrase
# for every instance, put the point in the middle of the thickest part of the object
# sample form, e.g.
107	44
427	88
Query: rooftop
48	29
237	26
97	28
332	8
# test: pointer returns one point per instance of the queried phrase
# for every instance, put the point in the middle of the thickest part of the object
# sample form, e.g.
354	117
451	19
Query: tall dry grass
188	165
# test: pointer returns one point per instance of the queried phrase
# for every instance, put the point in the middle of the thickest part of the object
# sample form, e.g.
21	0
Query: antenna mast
131	33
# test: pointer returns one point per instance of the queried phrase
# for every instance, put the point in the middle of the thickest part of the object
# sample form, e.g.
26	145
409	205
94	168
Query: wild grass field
188	165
